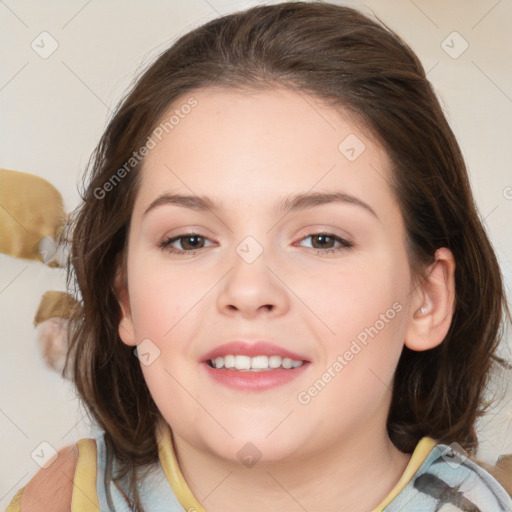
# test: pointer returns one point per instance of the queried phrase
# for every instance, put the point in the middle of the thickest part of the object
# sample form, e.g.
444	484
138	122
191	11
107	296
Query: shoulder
450	476
446	476
51	489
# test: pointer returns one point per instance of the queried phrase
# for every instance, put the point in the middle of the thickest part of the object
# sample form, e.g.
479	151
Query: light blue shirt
446	481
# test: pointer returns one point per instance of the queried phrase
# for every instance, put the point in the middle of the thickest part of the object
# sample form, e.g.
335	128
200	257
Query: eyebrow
295	202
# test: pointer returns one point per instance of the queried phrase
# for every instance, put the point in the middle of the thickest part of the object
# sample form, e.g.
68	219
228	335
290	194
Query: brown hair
345	58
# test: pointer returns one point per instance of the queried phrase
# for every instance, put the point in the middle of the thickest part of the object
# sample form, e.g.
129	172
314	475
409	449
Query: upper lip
252	349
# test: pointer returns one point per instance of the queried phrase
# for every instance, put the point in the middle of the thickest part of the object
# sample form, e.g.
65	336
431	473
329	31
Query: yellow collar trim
182	491
85	497
172	470
423	448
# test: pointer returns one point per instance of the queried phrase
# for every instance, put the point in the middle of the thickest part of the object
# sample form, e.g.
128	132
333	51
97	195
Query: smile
255	365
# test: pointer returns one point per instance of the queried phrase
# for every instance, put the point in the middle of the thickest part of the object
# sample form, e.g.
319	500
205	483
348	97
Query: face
292	267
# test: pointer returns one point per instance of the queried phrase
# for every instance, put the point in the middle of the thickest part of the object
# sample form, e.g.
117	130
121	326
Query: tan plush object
31	217
55	304
52	321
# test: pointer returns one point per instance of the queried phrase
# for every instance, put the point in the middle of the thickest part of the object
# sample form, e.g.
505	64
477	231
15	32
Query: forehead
242	146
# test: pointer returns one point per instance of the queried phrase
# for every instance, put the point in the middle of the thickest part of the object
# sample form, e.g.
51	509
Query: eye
323	243
190	243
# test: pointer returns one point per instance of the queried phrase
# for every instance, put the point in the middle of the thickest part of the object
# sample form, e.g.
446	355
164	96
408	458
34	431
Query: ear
126	329
433	304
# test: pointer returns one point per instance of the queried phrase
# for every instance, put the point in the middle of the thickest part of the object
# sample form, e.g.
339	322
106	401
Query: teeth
257	363
242	362
274	361
287	363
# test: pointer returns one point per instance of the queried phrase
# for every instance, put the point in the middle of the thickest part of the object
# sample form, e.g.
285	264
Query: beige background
53	111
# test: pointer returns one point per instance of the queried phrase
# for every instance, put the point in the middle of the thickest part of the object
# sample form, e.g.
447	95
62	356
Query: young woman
289	300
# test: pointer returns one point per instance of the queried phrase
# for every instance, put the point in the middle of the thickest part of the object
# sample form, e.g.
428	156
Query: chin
256	443
259	451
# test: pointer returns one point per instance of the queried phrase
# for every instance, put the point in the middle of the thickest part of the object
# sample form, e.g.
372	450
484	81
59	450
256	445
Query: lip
251	349
253	381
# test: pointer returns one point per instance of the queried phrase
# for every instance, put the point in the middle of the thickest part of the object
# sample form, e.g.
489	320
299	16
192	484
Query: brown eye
189	242
326	242
192	242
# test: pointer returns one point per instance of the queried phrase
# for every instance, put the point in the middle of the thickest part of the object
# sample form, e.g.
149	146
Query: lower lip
254	381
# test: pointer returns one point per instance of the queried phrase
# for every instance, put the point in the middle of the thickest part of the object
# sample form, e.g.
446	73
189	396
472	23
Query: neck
354	475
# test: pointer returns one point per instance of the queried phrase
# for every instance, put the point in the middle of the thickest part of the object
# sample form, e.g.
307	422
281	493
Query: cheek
162	298
357	370
357	297
365	310
173	393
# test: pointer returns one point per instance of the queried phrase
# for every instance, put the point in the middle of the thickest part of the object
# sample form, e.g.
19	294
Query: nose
253	288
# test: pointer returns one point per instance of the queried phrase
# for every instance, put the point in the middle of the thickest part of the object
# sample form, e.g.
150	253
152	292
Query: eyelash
345	244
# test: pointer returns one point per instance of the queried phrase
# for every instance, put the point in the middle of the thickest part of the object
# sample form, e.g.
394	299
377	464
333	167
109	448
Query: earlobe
433	304
125	328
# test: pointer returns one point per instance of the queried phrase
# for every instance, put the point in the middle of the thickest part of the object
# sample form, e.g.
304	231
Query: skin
248	151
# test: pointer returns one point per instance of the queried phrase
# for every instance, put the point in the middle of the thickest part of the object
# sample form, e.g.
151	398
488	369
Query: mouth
253	366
